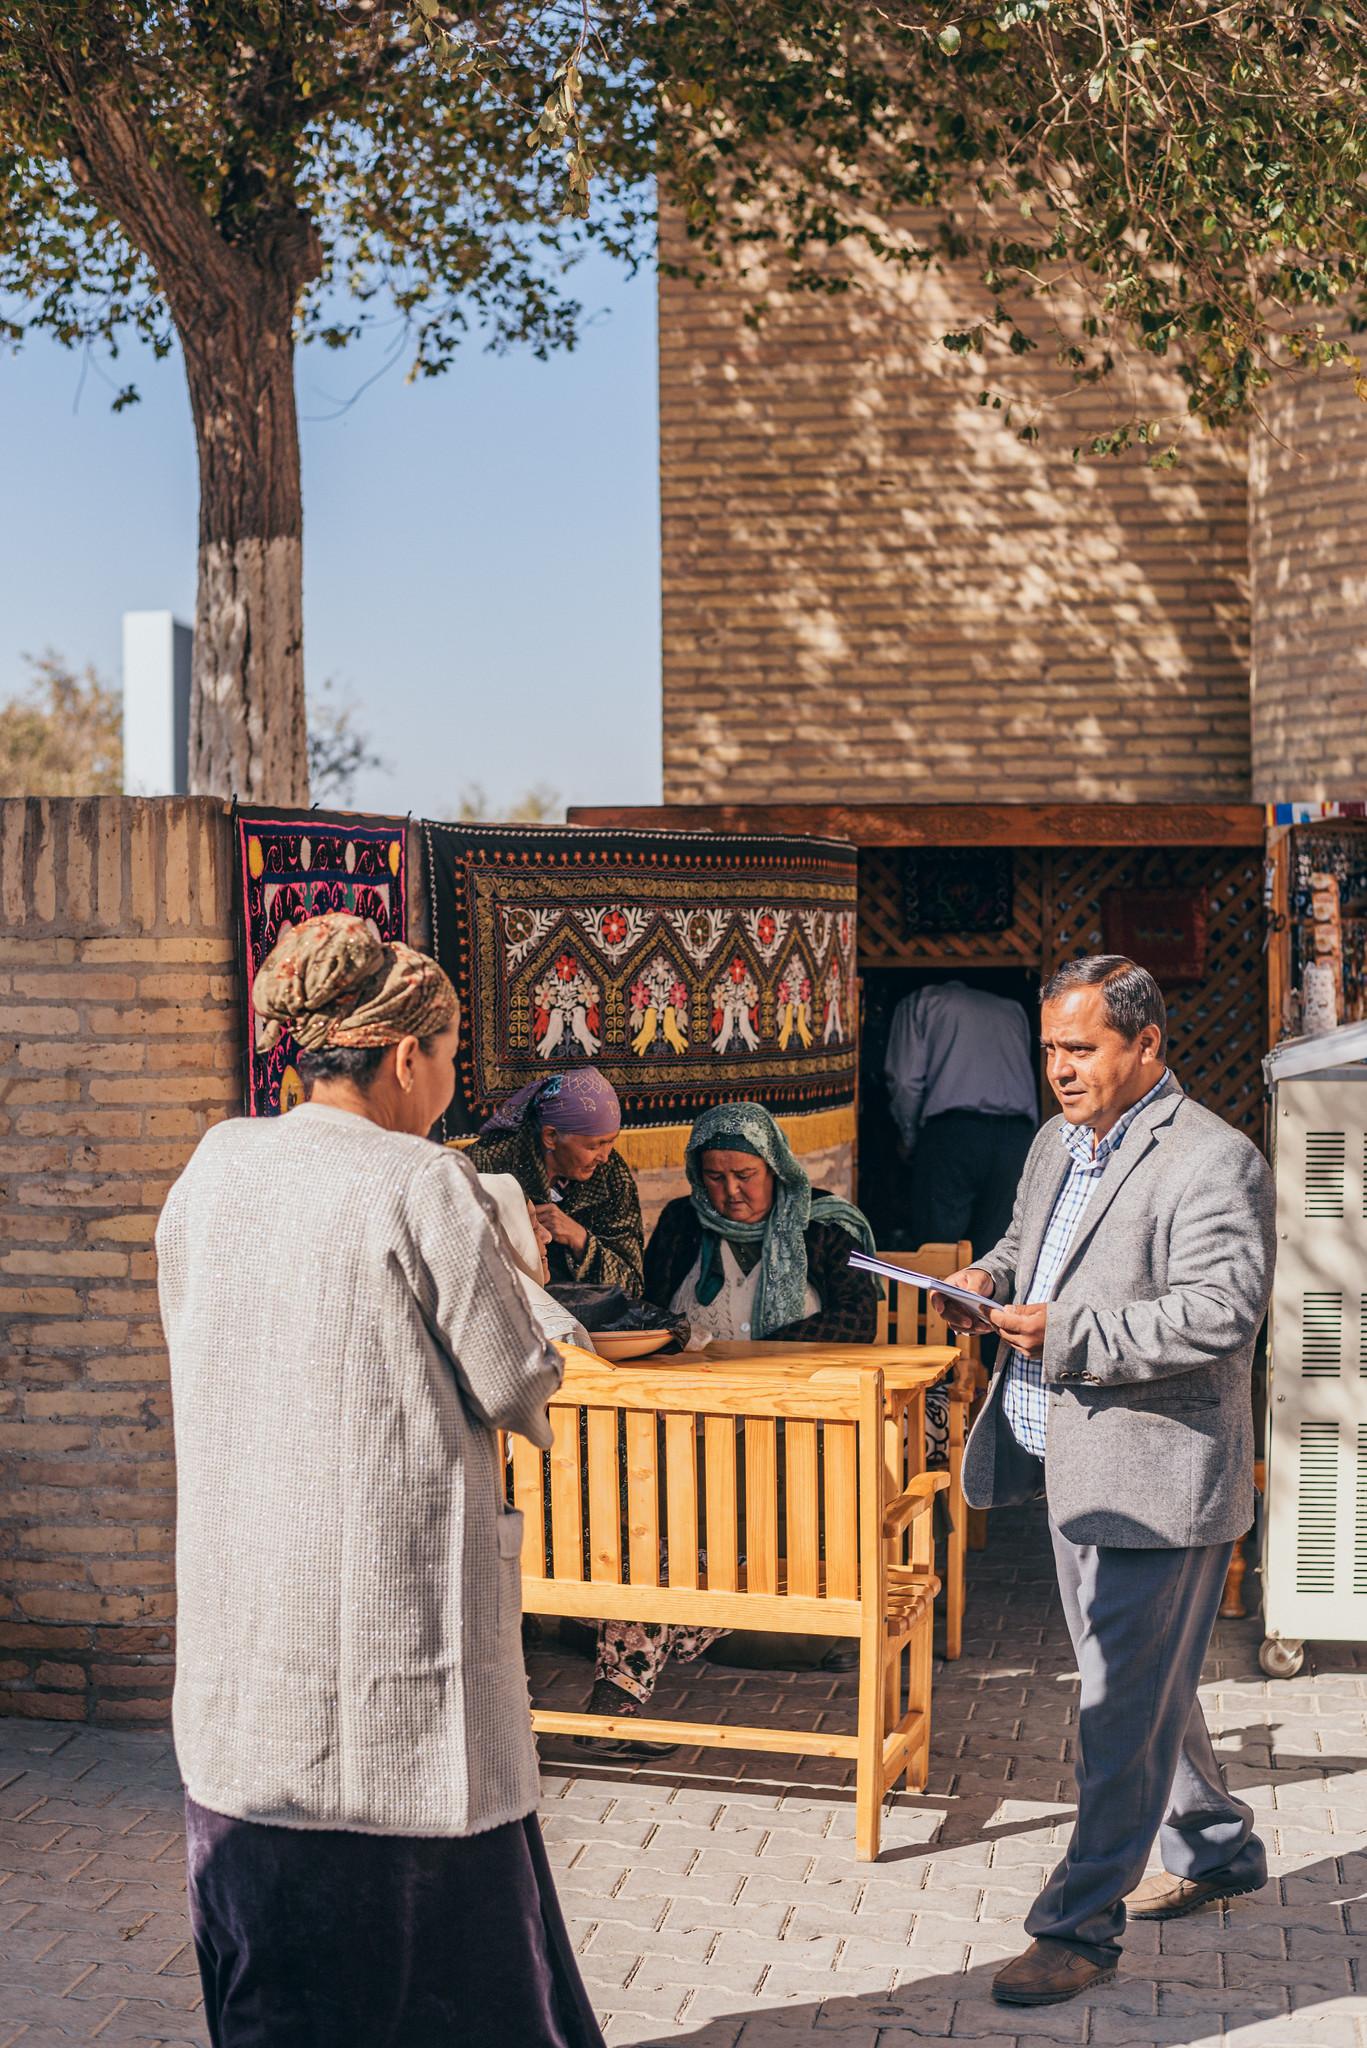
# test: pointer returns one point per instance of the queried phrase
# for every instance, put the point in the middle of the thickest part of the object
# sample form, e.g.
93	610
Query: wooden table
908	1367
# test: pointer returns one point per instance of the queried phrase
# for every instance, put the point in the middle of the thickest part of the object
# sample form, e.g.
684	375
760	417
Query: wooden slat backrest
681	1498
841	1493
905	1315
567	1521
528	1484
605	1495
722	1505
643	1498
761	1505
802	1507
941	1260
625	1469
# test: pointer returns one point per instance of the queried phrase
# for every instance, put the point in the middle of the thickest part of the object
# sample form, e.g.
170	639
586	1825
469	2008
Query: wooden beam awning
954	824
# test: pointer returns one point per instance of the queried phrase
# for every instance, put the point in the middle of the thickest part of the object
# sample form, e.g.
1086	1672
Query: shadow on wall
872	579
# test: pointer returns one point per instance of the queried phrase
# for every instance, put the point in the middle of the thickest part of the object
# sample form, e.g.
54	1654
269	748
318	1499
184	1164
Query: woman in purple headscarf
556	1137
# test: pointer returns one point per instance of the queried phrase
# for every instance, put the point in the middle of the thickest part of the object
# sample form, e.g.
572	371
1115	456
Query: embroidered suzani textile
297	864
688	967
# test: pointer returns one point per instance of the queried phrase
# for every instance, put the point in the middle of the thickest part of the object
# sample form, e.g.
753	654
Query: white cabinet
1315	1530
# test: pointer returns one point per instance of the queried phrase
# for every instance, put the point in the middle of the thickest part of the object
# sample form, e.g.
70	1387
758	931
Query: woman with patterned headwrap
556	1137
347	1337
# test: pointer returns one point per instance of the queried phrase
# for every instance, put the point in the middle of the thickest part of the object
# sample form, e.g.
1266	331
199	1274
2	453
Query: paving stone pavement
715	1900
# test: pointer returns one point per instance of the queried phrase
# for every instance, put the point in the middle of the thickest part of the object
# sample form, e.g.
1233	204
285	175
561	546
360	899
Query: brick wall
1308	552
873	590
118	1047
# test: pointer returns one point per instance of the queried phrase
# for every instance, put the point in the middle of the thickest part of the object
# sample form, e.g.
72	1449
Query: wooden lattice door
1217	1026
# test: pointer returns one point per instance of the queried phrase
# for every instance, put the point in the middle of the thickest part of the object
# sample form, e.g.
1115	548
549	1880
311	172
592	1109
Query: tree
339	750
1173	175
539	805
1178	177
221	174
63	735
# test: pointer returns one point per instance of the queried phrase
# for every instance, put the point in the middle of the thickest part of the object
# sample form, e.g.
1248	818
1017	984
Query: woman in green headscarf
754	1251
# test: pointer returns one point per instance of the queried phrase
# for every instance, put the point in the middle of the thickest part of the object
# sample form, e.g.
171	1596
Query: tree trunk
248	735
232	284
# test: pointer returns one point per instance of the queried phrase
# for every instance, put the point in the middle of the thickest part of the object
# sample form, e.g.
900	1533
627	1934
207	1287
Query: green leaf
949	39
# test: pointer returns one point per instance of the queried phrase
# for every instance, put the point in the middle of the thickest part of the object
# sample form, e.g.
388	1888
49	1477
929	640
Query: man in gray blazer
1137	1270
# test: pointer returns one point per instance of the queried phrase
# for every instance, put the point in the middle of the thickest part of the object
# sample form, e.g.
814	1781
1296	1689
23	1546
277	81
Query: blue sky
481	558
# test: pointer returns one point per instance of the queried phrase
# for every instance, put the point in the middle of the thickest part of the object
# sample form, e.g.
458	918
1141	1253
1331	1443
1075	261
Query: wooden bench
813	1542
906	1316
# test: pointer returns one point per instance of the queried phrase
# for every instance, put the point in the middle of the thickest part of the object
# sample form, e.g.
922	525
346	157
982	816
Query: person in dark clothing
754	1251
965	1102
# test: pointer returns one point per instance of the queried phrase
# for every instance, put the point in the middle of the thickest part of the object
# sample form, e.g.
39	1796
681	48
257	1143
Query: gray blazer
1148	1353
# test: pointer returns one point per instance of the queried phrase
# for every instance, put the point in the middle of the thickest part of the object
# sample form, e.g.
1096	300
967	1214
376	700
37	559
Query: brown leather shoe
1162	1897
1046	1974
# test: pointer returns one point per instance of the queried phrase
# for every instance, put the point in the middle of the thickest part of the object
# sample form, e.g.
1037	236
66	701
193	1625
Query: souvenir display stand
1317	916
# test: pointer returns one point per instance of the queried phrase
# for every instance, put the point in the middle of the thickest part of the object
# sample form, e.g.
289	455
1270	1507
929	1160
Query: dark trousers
964	1175
318	1938
1140	1621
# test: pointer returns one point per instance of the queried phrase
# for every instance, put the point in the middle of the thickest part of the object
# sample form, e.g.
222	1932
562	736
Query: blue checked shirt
1024	1397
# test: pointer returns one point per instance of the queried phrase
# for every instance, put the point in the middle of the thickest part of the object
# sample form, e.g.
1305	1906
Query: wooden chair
906	1316
592	1530
942	1260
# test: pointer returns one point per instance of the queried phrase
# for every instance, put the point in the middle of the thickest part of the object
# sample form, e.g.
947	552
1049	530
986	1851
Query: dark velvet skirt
311	1938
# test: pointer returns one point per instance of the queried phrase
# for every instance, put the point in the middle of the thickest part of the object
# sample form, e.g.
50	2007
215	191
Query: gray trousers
1140	1621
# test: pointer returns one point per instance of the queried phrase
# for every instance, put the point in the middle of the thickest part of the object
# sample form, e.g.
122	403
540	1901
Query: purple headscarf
579	1103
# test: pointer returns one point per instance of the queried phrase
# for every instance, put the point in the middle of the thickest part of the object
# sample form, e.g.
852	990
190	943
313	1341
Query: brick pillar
119	1045
1308	555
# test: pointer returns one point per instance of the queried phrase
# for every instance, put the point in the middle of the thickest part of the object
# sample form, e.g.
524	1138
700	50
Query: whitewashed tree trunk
248	736
233	300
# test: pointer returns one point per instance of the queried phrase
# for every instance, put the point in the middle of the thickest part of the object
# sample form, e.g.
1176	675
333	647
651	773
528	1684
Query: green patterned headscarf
782	1289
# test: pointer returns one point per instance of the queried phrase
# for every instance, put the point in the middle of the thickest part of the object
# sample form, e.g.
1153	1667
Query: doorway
882	1172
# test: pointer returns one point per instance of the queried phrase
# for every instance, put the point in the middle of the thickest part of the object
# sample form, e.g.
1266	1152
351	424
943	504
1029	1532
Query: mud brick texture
713	1898
119	1045
873	589
1308	550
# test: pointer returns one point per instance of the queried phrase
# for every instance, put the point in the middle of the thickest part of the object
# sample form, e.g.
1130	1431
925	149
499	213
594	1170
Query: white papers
905	1276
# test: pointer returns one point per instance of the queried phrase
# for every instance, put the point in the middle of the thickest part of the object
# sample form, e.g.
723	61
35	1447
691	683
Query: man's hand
561	1229
1023	1328
974	1281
